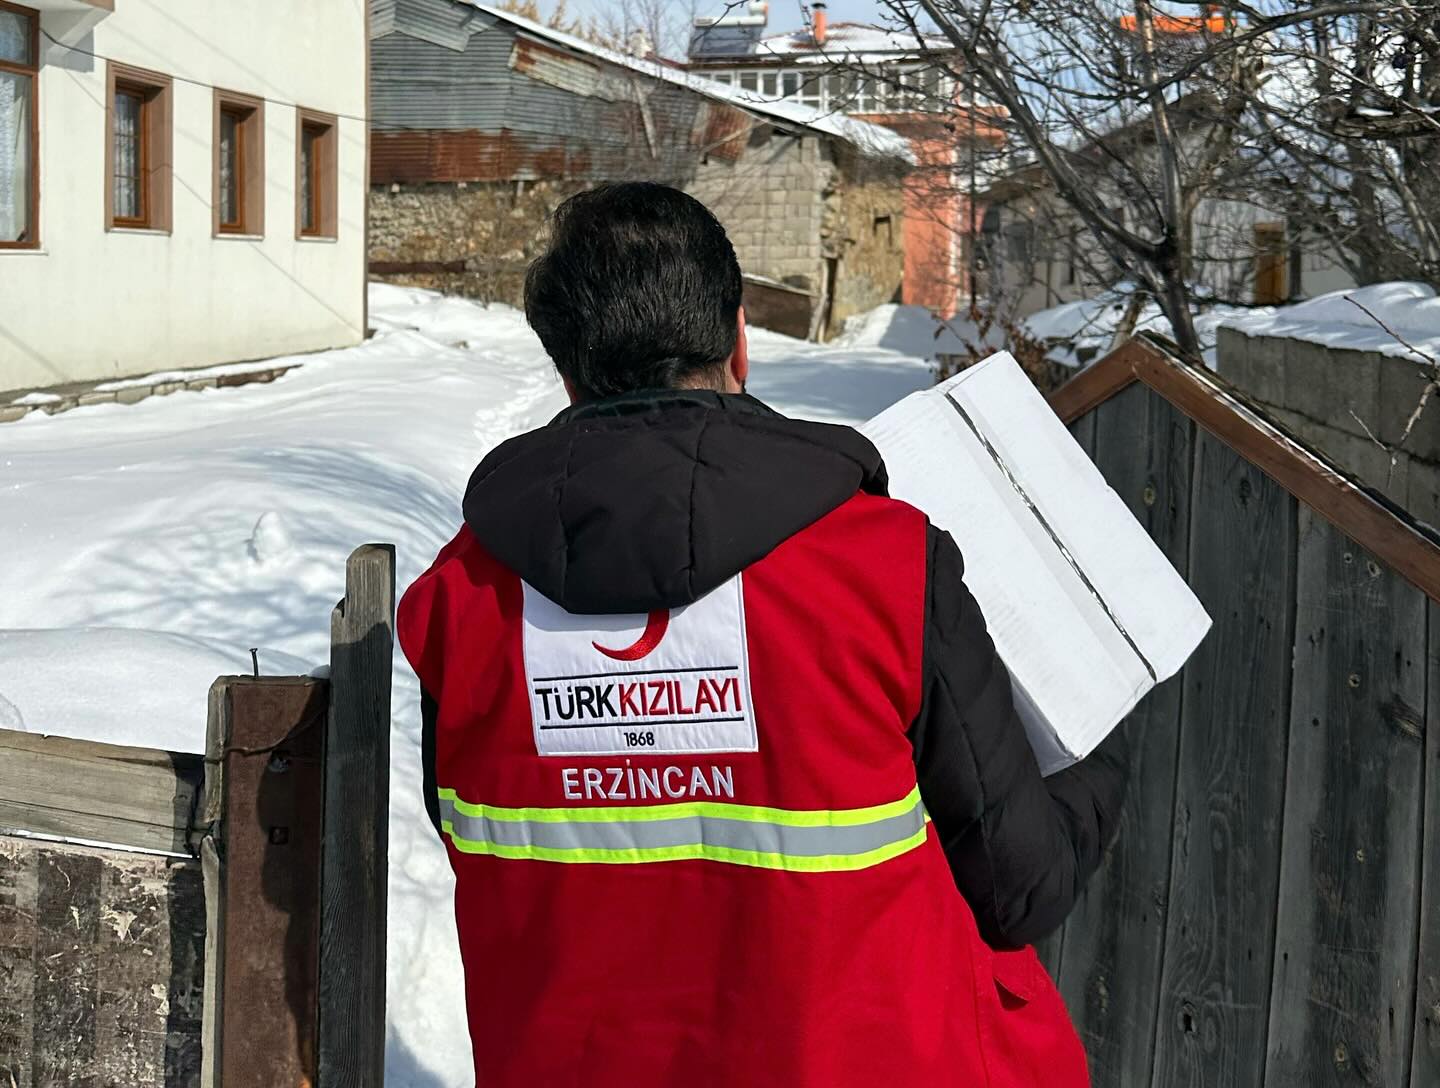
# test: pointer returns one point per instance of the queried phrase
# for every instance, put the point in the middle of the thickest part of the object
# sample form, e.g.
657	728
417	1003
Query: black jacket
650	500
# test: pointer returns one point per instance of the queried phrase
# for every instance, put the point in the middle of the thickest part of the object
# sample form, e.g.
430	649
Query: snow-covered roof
1076	334
1408	312
868	138
848	41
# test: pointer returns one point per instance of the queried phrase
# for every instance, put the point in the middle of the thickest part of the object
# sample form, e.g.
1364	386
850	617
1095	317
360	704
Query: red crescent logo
655	624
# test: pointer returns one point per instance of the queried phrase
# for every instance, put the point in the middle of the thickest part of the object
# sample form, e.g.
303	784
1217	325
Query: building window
867	93
812	90
239	188
748	81
19	127
722	77
316	185
137	150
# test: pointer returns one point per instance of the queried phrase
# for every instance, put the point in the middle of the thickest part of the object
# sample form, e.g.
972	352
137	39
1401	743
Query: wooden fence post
261	863
356	825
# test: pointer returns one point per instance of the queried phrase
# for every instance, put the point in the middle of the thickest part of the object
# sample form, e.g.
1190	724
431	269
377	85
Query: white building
182	183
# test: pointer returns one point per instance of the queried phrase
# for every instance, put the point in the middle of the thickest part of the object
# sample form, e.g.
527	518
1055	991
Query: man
724	758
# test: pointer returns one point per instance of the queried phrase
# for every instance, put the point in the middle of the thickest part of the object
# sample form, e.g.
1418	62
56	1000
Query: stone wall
770	200
789	204
487	233
1330	398
863	229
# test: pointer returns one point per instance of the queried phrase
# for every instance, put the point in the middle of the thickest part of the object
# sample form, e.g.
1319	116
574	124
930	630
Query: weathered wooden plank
212	1010
1114	941
185	998
135	797
100	958
356	835
67	922
1219	929
1425	1063
1083	431
272	826
19	892
264	752
1344	967
212	870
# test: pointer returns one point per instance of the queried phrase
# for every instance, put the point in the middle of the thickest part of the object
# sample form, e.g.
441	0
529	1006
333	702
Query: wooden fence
1270	914
220	920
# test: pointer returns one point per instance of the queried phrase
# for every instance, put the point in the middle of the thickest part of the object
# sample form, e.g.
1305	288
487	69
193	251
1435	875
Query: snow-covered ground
913	330
147	547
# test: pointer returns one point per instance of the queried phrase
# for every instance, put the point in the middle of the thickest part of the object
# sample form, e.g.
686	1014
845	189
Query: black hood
650	500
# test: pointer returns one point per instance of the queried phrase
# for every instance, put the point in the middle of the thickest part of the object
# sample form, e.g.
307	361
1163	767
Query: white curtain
15	108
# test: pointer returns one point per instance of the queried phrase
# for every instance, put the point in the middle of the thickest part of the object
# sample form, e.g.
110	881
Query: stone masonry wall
862	227
1318	392
494	228
788	204
770	202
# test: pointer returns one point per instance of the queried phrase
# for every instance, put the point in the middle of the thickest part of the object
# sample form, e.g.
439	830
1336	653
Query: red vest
777	916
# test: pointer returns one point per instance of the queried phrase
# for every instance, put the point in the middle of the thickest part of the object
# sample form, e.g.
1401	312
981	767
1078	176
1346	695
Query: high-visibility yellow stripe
693	851
845	817
794	840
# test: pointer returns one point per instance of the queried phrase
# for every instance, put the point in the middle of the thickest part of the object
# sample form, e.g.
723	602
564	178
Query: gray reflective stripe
692	830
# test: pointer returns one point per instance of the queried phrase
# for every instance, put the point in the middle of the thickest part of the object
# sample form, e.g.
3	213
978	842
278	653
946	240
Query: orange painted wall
934	219
937	212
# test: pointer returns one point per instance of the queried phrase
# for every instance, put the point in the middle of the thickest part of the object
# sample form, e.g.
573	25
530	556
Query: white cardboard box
1085	610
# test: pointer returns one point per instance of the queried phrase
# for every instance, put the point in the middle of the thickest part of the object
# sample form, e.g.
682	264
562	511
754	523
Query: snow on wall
1339	320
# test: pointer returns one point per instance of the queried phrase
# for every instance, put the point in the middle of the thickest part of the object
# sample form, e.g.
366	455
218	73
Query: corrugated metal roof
442	22
867	138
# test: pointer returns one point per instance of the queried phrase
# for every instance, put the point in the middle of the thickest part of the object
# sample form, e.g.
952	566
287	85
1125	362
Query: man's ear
738	368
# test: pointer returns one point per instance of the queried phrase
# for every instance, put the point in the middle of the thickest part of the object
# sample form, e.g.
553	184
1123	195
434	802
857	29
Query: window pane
129	121
810	89
309	164
722	77
15	104
229	169
790	84
865	94
767	84
15	38
747	81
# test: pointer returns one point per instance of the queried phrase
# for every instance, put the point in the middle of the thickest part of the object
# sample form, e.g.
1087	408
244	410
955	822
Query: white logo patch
672	681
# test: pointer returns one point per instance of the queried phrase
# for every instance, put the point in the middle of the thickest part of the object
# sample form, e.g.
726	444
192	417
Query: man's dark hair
639	289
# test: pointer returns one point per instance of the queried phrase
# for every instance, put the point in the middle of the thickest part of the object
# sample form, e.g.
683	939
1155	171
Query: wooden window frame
250	165
325	182
32	71
156	133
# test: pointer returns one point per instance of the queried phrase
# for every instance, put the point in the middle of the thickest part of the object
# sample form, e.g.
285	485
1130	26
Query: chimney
818	22
639	44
